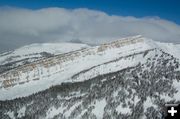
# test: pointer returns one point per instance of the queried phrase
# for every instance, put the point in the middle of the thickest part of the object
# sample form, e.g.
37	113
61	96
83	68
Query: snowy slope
121	54
173	49
34	50
50	75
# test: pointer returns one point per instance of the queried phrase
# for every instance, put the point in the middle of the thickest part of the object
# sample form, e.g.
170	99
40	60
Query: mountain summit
132	77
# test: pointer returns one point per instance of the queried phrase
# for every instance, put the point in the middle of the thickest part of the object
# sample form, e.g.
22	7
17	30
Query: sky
23	22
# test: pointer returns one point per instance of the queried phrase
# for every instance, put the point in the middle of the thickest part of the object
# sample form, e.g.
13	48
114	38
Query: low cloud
20	27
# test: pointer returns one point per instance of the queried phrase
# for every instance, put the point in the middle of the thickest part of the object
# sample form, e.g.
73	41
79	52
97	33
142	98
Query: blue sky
165	9
23	22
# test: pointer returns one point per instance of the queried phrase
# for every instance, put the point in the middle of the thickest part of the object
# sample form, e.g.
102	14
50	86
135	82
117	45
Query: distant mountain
76	41
130	78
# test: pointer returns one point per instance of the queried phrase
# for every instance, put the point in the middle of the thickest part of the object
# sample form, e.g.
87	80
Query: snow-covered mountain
128	78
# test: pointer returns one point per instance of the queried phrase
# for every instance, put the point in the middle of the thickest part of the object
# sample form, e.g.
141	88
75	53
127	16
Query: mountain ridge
105	53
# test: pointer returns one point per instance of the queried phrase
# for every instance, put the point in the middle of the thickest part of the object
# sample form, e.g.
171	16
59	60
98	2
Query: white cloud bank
19	27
